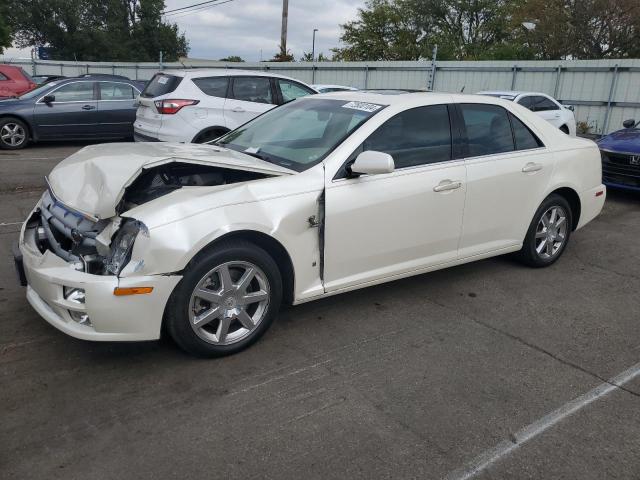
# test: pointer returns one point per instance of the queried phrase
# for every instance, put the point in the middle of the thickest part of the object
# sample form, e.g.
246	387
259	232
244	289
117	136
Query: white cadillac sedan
320	196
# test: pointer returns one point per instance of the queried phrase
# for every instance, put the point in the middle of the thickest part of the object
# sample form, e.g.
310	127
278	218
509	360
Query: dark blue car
621	157
91	107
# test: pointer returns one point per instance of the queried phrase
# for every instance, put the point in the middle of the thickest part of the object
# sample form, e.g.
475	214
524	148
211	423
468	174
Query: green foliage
492	30
113	30
232	58
320	57
283	56
5	33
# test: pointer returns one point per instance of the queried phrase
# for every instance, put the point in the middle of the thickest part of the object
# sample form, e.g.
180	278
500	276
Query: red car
14	81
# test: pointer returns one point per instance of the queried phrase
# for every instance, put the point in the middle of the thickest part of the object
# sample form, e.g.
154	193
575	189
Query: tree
384	30
492	29
232	58
307	57
5	33
282	56
125	30
581	29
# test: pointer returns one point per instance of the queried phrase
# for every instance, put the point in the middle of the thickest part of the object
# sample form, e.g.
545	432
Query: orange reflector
120	292
600	193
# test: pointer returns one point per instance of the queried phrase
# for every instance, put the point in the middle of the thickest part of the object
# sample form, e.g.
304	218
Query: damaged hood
92	180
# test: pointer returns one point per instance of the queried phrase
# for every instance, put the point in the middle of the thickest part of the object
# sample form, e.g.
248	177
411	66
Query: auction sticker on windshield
363	106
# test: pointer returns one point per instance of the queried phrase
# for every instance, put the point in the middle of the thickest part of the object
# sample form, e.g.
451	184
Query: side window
525	138
414	137
525	102
488	129
2	77
75	92
213	86
543	104
115	91
252	89
292	90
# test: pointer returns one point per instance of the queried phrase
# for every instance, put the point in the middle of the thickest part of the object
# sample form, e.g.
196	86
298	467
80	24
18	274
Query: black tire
209	135
565	129
8	124
177	313
529	254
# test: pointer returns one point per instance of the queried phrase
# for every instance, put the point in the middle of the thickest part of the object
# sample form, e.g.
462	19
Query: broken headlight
122	245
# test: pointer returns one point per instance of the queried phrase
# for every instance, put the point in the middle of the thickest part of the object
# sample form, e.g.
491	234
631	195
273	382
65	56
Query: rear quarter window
213	86
161	84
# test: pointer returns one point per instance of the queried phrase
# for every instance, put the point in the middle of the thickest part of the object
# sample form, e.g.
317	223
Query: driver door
381	226
72	114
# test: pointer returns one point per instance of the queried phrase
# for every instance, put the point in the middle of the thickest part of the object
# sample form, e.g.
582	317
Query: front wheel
548	233
226	300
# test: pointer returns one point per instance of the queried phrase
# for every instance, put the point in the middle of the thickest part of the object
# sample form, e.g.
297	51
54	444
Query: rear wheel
209	135
14	134
226	300
548	233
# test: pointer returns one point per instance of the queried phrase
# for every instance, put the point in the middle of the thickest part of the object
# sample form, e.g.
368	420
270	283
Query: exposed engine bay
158	181
103	247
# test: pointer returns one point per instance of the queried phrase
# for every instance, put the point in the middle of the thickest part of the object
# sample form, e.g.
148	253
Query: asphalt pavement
490	370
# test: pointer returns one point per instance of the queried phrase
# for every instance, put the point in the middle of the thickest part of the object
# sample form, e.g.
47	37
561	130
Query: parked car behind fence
201	105
14	81
97	108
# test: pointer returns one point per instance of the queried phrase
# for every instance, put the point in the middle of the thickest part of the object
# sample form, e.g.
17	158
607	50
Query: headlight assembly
122	245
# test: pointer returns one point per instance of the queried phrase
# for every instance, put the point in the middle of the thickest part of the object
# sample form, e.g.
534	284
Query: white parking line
504	448
6	224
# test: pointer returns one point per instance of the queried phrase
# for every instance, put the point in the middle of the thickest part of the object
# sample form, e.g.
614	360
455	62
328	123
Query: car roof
406	98
326	85
222	72
511	93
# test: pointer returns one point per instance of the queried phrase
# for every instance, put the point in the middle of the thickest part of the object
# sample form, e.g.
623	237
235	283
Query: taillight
169	107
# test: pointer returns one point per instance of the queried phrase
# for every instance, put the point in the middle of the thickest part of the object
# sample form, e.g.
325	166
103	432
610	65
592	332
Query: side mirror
48	99
570	107
630	123
371	162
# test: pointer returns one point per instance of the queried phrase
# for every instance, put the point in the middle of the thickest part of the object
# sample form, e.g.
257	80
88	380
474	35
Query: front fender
170	247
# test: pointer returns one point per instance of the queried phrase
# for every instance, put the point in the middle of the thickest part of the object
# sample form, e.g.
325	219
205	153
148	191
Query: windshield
38	90
301	133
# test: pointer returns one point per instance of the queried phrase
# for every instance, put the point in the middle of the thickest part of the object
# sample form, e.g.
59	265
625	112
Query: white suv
201	105
558	115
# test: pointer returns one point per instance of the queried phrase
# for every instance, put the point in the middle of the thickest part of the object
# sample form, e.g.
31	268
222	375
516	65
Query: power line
194	5
194	10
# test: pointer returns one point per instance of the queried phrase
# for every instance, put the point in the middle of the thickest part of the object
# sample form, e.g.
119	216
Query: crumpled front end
73	280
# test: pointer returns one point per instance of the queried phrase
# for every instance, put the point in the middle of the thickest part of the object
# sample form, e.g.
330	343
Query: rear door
116	109
73	113
508	170
148	121
249	97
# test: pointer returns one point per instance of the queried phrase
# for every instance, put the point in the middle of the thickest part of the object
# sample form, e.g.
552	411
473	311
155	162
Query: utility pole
313	46
283	33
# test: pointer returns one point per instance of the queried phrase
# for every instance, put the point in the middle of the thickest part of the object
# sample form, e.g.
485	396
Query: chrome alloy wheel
12	134
229	303
551	232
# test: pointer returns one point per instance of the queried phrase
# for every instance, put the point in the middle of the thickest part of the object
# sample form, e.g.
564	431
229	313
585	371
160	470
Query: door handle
88	107
446	185
238	109
532	167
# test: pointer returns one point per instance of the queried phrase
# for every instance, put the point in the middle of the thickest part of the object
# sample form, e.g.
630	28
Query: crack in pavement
535	347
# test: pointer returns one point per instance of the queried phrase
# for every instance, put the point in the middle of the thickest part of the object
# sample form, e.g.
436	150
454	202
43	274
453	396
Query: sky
251	28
